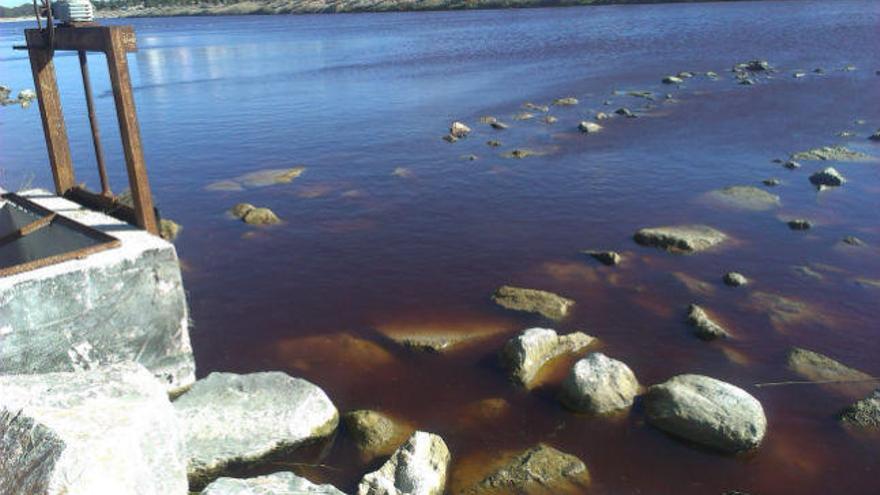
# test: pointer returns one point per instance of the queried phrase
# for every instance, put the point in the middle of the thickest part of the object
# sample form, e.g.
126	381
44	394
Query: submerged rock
704	327
864	413
746	198
540	469
817	367
259	178
374	434
780	309
418	467
536	107
233	420
546	304
283	483
108	430
827	177
706	411
672	80
791	164
564	102
520	153
549	119
853	241
602	116
523	116
459	130
735	279
806	272
686	238
524	355
833	153
499	125
598	384
625	112
875	136
609	258
493	143
799	224
770	182
589	127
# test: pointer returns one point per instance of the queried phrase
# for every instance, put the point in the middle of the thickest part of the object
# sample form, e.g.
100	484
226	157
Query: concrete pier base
122	304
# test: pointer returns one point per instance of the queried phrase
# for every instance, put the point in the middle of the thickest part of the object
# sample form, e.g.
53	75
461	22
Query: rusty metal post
54	130
93	122
115	48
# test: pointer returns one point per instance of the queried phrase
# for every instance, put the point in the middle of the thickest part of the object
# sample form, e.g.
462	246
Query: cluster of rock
24	97
253	215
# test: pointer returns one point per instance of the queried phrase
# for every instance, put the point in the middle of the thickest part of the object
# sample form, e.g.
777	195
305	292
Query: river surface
390	228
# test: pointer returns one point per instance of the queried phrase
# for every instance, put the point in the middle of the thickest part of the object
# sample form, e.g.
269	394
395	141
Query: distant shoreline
251	7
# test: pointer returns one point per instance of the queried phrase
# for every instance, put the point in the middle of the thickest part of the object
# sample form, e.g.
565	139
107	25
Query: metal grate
32	237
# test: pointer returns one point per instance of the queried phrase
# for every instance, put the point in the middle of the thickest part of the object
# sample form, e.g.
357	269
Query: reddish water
354	97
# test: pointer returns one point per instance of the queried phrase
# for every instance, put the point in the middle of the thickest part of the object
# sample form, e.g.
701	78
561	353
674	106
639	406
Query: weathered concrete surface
284	483
110	430
231	420
419	467
707	411
123	304
524	355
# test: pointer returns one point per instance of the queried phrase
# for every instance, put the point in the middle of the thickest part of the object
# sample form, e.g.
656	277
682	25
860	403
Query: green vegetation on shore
150	8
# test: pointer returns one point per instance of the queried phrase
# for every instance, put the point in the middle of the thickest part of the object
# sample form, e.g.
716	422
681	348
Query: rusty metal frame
106	241
115	42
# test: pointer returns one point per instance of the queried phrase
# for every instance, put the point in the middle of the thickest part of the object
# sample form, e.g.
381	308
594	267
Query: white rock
230	418
589	127
284	483
598	384
418	467
459	130
525	354
707	411
109	430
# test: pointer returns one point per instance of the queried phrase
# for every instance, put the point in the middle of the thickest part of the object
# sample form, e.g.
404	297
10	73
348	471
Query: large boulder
704	327
374	434
864	413
598	384
524	355
546	304
419	467
680	238
745	198
540	469
233	420
283	483
706	411
109	430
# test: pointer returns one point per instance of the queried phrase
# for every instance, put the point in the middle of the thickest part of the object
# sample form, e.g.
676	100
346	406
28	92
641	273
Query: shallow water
355	97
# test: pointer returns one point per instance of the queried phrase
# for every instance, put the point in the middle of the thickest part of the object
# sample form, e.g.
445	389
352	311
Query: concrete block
122	304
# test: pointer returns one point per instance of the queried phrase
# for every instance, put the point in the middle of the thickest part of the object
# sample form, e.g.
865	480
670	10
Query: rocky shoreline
257	7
